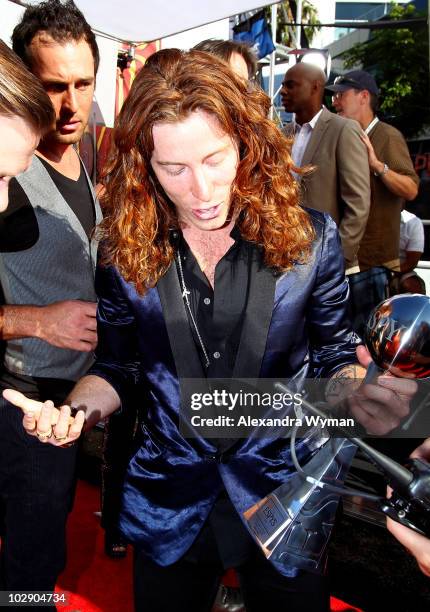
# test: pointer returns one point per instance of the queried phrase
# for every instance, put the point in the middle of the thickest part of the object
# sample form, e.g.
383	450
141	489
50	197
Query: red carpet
94	582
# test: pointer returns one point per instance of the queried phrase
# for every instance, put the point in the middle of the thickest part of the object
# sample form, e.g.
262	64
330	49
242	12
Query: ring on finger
44	435
59	438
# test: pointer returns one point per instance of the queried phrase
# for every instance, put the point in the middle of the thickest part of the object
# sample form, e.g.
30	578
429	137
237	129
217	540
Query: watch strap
383	171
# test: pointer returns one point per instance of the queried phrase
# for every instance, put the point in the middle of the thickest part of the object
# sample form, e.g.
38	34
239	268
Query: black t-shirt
18	224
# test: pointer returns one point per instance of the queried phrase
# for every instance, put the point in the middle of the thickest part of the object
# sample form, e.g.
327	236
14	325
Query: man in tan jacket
393	181
339	184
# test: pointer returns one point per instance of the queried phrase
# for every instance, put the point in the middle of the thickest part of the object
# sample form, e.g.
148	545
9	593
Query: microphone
398	338
410	500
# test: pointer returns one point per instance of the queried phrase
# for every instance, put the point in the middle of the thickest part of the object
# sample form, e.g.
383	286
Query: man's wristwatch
383	171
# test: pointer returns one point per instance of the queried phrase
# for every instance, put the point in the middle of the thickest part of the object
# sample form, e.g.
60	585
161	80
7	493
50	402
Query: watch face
383	171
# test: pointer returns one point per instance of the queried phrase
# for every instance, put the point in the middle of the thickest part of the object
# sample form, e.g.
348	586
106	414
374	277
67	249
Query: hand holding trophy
398	338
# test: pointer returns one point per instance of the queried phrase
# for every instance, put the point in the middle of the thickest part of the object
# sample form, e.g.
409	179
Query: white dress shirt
302	136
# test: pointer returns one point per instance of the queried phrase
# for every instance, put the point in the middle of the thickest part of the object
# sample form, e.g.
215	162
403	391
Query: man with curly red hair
210	268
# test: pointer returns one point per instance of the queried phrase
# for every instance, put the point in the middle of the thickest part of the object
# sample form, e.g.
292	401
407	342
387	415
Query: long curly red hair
265	196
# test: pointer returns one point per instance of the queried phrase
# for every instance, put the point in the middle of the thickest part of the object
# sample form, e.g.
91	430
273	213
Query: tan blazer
340	183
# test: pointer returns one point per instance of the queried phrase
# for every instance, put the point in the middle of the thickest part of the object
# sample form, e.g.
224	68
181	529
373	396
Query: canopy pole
274	10
299	24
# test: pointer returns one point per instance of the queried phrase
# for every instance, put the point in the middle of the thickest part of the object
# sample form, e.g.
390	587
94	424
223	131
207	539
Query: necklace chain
185	294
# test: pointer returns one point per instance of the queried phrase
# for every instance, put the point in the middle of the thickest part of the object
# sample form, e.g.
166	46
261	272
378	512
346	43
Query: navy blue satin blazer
295	325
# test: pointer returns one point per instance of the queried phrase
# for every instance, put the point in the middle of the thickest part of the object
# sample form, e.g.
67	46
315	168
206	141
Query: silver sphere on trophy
398	335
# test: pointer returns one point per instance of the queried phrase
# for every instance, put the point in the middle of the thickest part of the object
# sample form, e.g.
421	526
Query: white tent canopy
143	21
136	21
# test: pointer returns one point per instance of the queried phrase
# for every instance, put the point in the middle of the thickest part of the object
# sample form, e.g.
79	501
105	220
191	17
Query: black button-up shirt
218	311
219	314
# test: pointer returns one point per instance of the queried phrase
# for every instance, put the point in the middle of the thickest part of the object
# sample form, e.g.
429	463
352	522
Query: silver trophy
295	520
398	336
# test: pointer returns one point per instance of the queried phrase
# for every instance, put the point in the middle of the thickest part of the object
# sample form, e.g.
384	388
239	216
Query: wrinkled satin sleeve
332	340
116	353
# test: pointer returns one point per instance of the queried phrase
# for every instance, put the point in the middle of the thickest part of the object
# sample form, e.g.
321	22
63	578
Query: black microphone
398	338
410	500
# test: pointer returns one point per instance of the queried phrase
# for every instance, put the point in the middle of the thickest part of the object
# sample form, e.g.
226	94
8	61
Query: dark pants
36	492
191	586
367	290
117	447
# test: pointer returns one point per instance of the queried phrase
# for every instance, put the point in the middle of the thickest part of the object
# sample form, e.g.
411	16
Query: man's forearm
96	397
20	322
69	324
399	184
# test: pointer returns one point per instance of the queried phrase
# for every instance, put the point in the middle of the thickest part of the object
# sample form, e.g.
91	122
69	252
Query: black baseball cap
355	79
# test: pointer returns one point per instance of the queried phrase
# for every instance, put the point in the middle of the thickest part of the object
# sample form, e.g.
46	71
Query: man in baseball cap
392	182
356	79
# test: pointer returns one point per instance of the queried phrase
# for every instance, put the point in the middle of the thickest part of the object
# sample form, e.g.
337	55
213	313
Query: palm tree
287	14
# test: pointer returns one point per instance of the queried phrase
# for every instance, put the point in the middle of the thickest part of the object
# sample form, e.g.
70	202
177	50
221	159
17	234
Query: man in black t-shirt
47	258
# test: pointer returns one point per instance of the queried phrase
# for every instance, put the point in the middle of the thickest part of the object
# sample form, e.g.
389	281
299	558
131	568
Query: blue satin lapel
157	352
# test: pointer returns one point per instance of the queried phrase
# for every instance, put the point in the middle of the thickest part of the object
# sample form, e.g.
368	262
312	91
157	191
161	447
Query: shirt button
207	301
217	355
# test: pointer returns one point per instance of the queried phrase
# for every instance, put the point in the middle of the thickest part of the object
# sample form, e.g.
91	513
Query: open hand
49	424
374	163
